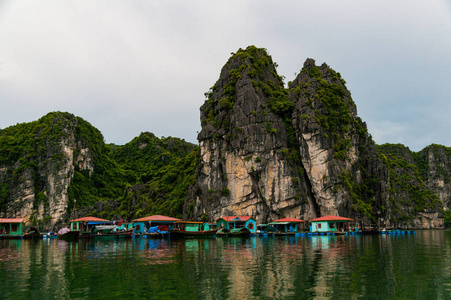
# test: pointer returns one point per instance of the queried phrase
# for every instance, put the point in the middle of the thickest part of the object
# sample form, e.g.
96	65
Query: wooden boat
113	234
372	229
222	232
69	235
32	233
186	229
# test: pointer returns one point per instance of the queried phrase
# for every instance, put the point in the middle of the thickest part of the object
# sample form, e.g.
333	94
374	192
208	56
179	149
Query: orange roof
156	218
331	218
88	219
236	218
11	220
290	220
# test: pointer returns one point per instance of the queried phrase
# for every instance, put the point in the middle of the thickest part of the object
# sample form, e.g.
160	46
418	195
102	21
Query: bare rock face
437	158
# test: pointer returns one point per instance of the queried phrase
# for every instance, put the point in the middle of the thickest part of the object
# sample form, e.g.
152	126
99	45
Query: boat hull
10	237
114	235
33	236
69	236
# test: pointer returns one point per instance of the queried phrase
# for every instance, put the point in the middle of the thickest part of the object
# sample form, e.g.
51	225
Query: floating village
158	226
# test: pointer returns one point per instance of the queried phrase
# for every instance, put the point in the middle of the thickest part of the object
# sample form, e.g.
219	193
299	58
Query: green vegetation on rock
408	192
104	180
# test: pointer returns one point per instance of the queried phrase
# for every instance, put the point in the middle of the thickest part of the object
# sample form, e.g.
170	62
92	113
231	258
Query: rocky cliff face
246	164
434	163
302	152
35	185
418	189
339	157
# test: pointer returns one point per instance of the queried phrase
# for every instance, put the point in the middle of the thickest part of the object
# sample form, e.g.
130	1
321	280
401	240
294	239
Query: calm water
376	267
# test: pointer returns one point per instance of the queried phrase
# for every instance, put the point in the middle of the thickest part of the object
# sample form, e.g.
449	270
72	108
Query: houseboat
11	228
154	226
237	225
110	231
287	226
331	225
86	226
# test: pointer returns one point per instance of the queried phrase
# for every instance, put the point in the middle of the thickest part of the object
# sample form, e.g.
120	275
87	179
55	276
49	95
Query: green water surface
414	266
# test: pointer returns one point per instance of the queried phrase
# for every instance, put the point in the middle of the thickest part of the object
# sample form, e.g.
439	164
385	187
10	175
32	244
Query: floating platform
398	232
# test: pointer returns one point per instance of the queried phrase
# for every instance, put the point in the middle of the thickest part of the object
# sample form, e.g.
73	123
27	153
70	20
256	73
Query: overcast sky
133	66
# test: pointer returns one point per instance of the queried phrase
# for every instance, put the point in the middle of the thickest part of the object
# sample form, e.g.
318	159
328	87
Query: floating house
86	225
11	228
334	224
188	229
234	222
163	223
288	226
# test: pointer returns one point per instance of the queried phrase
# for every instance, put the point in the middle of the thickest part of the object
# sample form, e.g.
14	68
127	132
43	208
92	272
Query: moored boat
32	233
107	232
68	235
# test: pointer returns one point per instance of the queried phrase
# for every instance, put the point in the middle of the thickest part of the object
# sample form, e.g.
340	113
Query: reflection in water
415	266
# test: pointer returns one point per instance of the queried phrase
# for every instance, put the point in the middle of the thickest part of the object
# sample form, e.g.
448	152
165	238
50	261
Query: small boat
68	235
32	233
186	229
223	232
372	229
102	234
